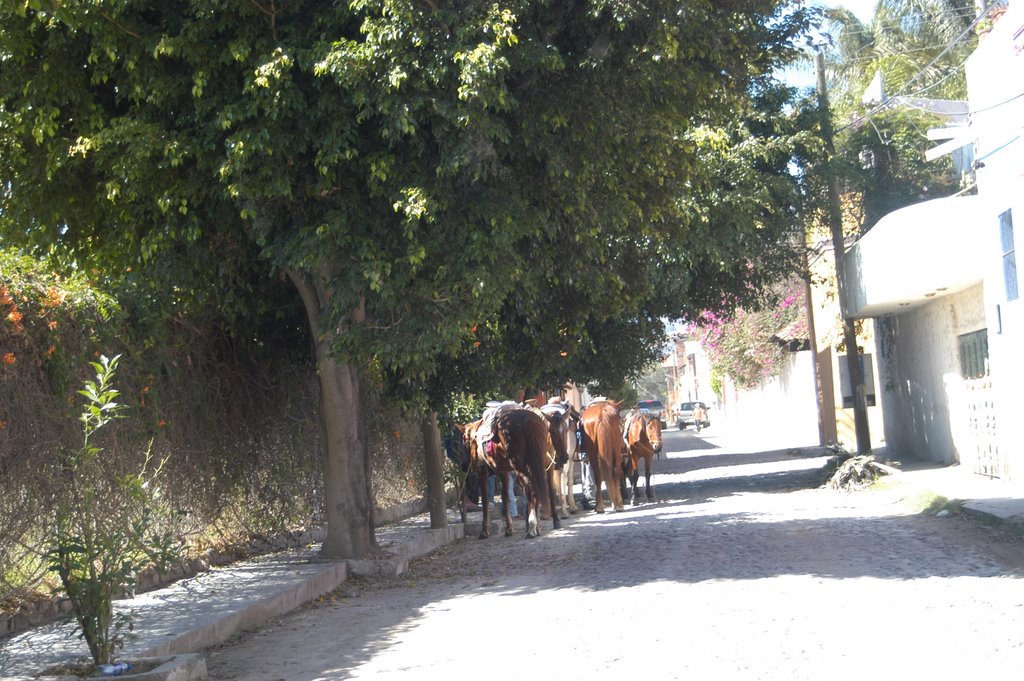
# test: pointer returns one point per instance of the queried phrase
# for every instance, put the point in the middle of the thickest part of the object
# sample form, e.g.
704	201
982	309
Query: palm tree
917	46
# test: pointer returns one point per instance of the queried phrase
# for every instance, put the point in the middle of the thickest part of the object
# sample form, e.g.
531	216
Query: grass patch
932	503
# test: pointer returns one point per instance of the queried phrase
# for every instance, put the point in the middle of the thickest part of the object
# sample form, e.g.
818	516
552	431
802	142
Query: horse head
652	426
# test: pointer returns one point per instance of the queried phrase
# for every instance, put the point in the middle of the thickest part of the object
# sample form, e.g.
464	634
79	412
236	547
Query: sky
803	76
864	9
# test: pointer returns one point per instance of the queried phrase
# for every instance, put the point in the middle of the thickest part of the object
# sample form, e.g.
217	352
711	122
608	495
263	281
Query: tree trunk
348	498
435	472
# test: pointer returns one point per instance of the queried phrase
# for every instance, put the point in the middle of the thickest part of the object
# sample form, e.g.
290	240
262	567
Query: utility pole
835	221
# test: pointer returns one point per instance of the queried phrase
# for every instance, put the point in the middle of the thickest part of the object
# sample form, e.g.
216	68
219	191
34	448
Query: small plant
103	532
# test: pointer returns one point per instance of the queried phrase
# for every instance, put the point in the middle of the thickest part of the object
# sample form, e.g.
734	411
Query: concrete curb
258	612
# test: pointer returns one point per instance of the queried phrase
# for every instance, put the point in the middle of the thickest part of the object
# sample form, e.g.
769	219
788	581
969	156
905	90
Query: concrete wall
995	78
786	404
923	395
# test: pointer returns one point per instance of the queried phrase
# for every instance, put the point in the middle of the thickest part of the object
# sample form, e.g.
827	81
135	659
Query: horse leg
556	522
649	462
532	512
506	494
615	486
567	476
622	480
485	501
555	486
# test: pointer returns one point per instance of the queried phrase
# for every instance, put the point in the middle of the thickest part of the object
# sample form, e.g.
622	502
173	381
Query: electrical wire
917	76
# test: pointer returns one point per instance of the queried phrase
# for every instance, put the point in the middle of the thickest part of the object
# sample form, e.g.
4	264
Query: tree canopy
556	176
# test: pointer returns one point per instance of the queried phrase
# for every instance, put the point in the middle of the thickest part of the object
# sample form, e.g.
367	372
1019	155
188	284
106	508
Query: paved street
744	569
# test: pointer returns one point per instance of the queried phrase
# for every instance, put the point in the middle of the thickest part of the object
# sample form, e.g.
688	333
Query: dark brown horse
519	446
643	441
602	442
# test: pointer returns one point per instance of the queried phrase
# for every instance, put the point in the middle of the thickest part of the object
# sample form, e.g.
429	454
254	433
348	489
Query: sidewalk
993	499
209	608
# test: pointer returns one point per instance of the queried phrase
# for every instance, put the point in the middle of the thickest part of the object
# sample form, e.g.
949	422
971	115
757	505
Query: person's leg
513	503
587	483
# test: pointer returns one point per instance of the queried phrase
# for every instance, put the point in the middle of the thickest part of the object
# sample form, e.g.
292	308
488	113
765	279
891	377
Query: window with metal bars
974	354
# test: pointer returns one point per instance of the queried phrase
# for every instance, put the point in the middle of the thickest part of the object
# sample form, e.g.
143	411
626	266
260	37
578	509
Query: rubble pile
855	472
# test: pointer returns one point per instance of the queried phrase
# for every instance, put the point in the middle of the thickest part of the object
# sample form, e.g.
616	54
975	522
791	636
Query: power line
919	74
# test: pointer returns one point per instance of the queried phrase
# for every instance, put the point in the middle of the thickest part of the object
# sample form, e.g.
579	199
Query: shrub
103	533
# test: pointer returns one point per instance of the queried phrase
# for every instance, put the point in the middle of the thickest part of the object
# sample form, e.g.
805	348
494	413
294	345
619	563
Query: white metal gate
981	423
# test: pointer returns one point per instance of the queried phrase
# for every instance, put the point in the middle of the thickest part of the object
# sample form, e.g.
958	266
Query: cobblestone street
744	569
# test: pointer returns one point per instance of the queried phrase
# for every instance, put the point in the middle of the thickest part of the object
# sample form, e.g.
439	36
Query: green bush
104	532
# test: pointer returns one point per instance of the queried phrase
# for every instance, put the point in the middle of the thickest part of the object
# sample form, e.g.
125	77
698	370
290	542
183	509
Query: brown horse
602	442
564	474
518	447
558	416
643	441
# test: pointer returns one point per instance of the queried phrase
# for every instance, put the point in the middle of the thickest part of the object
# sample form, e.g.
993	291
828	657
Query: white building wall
924	399
785	405
995	78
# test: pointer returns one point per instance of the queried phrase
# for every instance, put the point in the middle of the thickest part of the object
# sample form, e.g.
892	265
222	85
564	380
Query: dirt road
742	570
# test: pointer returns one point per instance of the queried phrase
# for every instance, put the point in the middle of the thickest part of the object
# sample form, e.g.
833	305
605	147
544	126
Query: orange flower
52	325
161	423
50	350
53	298
5	297
14	316
3	424
398	435
9	358
476	344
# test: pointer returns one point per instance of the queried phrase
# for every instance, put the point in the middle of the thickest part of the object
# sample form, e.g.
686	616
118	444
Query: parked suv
684	415
654	408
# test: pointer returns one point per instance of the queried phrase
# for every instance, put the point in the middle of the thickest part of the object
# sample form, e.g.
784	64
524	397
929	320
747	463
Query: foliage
882	162
232	417
747	347
418	172
917	48
104	531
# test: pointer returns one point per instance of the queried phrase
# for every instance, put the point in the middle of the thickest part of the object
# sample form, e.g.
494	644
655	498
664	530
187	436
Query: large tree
413	168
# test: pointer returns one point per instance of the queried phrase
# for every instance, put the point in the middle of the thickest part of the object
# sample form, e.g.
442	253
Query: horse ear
460	427
619	403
